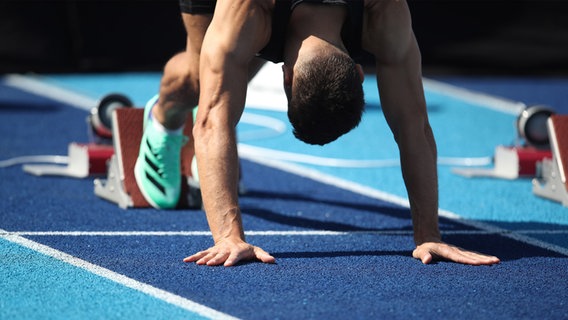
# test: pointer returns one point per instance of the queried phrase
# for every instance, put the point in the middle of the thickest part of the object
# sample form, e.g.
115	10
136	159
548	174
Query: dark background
456	37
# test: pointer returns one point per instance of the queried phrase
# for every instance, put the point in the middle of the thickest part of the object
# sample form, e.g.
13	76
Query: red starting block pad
551	182
120	186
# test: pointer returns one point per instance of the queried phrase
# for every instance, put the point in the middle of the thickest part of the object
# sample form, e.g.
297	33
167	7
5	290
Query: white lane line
483	229
477	98
116	277
274	233
34	84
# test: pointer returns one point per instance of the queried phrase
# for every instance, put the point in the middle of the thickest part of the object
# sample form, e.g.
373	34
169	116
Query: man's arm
388	35
239	29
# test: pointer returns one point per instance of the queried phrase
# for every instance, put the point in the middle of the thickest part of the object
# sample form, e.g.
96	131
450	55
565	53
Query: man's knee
181	78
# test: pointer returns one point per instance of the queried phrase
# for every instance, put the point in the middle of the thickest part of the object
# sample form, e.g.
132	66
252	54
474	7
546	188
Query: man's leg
158	169
179	88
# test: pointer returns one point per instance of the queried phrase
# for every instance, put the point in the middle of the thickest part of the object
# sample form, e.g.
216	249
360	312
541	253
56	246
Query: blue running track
335	218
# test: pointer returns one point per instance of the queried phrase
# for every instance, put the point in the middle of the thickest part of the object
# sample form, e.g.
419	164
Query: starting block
88	159
120	185
551	182
519	161
510	163
85	159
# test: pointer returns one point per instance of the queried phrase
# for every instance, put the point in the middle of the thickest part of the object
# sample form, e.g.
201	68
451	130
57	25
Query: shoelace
168	145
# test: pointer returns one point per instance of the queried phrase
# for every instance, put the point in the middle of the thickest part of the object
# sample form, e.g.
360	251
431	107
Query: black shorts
208	6
274	50
197	6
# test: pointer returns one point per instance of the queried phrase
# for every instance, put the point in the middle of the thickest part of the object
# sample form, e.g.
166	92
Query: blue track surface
35	286
339	251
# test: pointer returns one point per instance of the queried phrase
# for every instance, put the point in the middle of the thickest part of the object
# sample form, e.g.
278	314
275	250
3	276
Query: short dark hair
326	99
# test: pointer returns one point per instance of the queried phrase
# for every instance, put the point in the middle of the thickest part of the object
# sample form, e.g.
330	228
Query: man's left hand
434	251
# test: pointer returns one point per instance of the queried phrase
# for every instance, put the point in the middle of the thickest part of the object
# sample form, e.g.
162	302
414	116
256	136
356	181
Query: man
315	39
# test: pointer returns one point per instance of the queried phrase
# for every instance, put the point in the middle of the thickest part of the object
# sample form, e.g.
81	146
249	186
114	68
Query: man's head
325	96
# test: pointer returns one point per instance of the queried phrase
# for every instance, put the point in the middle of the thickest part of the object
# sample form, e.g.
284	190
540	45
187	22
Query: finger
451	253
263	256
218	259
491	260
206	258
422	255
438	252
466	257
189	259
479	259
257	253
246	253
427	258
233	259
482	258
195	257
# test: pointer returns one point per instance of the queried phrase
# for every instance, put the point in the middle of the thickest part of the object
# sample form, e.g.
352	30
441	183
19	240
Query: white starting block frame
84	160
111	188
510	163
551	181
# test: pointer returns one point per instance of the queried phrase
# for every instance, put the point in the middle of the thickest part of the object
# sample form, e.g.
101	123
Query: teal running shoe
158	166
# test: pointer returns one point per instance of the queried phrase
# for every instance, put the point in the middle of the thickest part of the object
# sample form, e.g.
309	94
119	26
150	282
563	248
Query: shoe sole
139	183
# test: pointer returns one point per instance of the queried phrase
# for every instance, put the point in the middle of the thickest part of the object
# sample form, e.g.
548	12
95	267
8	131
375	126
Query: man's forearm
419	170
218	172
223	90
404	106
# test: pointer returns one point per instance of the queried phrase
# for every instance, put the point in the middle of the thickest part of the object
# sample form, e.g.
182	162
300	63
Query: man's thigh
197	15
